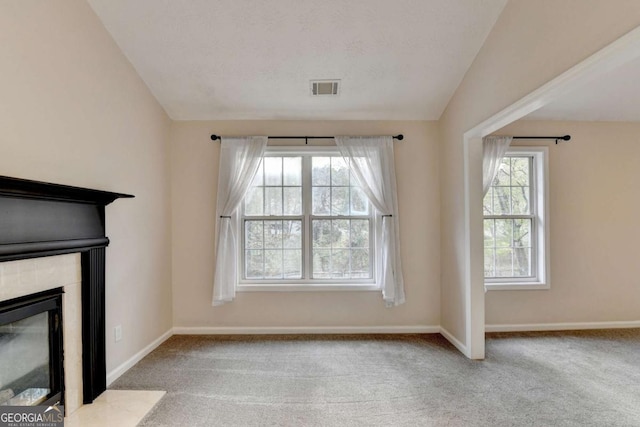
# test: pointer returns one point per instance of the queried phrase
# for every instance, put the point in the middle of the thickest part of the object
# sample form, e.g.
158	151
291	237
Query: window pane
340	264
273	170
504	266
292	264
489	233
253	235
509	245
488	262
522	262
340	233
320	171
512	248
321	263
504	173
504	233
321	233
253	265
339	171
339	200
321	203
522	233
501	200
292	234
273	202
292	200
520	171
274	248
360	264
273	264
273	234
359	202
292	170
520	200
253	202
359	233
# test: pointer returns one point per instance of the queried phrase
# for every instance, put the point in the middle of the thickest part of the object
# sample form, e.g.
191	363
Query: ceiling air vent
324	87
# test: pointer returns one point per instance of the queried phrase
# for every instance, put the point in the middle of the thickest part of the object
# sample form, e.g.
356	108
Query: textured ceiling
250	59
611	97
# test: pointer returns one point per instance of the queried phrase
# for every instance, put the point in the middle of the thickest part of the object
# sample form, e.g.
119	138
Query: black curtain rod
399	137
557	138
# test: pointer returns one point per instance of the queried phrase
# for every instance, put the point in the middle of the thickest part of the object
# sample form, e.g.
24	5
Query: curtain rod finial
563	138
399	137
215	137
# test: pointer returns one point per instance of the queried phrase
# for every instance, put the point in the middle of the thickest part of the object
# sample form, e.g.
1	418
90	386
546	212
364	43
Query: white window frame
305	285
539	184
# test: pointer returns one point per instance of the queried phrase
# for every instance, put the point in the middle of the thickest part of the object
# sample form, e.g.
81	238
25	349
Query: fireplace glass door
31	350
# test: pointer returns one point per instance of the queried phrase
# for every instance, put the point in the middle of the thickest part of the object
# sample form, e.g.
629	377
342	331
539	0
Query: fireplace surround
39	219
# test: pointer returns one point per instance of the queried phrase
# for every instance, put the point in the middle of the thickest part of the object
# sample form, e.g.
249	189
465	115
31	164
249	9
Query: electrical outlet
117	331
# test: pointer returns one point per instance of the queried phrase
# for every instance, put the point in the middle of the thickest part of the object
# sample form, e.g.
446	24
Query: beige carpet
535	379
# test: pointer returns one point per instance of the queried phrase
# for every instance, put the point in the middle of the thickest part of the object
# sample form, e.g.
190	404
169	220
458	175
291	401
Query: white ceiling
248	59
613	96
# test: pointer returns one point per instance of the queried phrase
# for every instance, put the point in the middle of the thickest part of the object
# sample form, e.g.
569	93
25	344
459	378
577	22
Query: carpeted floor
533	379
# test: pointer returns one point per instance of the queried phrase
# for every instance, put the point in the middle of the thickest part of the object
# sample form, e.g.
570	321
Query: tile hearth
122	408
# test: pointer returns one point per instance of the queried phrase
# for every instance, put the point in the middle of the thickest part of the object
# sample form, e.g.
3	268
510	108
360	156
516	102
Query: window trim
540	236
306	285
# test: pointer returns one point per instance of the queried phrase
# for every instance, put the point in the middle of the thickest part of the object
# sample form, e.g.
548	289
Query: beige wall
74	111
194	170
531	43
593	194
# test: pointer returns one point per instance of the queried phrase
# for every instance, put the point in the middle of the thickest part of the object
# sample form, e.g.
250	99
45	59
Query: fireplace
31	352
37	222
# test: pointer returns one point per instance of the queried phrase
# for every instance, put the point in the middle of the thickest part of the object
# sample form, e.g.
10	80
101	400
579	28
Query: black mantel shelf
18	187
41	219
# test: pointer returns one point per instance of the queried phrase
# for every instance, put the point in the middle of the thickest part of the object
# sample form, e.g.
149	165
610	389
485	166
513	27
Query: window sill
305	287
516	286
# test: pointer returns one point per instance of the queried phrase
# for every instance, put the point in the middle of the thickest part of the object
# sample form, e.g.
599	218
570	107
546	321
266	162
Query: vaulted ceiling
249	59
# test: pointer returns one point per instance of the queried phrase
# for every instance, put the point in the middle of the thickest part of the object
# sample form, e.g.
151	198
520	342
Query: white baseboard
453	340
562	326
124	367
275	330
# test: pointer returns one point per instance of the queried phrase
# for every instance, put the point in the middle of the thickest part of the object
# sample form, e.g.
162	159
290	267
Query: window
516	222
306	222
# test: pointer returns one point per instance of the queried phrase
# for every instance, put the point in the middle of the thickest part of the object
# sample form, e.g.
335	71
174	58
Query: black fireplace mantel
41	219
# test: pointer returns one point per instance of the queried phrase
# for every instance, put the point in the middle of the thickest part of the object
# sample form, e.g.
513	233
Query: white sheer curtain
239	161
372	163
493	149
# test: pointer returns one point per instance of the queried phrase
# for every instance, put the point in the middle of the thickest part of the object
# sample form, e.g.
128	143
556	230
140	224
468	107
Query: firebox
31	351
